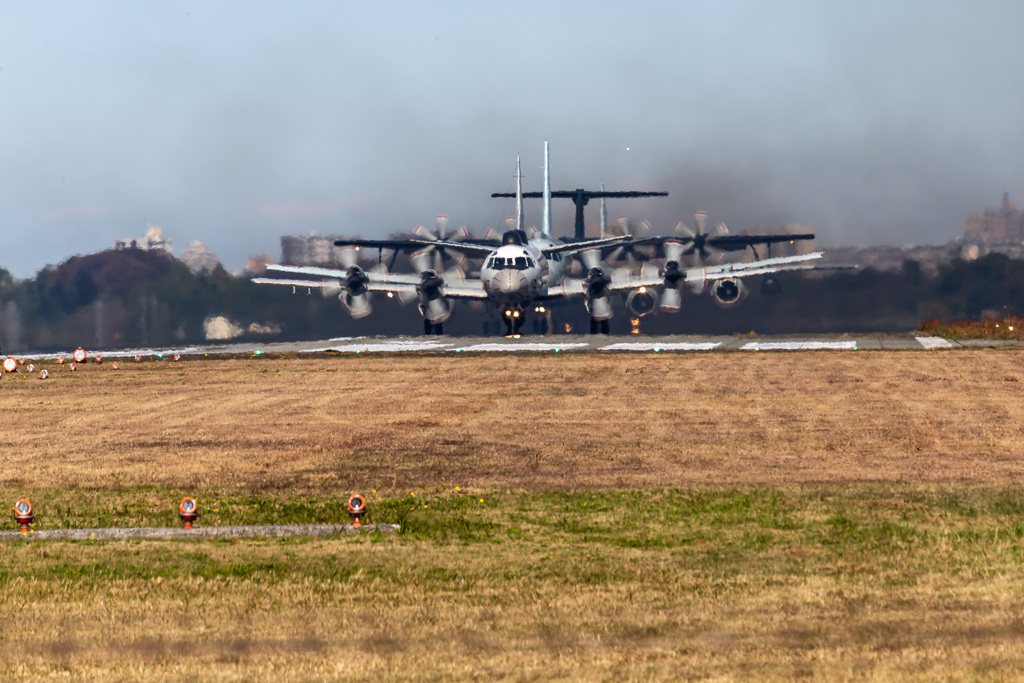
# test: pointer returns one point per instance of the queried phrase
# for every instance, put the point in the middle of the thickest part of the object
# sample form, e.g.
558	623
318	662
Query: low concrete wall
161	533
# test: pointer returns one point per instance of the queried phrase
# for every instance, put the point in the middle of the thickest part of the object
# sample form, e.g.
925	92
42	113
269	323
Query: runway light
10	364
657	349
356	508
188	510
23	514
259	352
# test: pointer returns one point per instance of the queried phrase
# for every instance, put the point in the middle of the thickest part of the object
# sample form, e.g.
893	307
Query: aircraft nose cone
509	281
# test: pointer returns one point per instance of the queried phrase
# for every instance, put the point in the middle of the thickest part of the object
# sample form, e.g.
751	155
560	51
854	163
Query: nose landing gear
514	319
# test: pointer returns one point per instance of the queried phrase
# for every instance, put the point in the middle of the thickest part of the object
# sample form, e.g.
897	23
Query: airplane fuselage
513	276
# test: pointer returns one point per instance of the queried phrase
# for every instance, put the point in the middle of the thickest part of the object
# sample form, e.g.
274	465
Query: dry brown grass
535	422
826	515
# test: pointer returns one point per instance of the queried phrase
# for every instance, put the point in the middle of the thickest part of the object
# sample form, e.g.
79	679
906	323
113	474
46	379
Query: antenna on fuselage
546	225
604	214
519	195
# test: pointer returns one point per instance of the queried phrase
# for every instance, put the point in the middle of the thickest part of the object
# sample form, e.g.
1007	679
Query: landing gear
513	321
430	328
599	326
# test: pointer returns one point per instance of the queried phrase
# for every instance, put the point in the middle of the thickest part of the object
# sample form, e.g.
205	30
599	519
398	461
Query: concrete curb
199	533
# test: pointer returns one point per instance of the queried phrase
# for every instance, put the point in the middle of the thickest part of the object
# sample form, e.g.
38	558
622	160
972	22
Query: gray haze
236	122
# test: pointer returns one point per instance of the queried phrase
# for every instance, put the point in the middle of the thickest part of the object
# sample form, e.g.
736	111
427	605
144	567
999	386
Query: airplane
521	272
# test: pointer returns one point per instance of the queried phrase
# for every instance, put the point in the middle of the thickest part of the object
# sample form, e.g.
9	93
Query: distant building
257	265
311	249
1005	226
198	258
153	240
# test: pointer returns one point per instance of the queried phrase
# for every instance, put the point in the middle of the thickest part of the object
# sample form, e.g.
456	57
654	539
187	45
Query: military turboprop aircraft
514	277
521	271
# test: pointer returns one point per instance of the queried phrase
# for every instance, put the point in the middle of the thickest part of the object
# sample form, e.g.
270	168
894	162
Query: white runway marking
391	347
799	346
933	342
521	347
649	346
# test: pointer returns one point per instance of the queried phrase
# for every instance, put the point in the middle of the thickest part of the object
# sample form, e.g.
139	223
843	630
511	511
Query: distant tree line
133	299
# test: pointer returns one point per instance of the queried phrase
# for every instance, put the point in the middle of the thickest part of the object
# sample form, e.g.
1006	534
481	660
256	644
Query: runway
546	344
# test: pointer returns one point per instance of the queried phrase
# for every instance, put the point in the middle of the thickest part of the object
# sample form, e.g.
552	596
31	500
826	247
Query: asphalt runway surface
548	344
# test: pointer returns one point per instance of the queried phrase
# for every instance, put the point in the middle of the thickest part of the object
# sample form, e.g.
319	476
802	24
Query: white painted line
933	342
651	346
390	347
799	346
522	347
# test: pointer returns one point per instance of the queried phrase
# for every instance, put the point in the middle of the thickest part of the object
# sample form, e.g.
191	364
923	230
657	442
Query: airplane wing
403	289
317	284
466	291
586	244
416	244
732	270
727	242
342	274
479	250
741	242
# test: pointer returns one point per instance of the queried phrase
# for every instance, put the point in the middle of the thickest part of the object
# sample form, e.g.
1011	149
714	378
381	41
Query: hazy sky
237	122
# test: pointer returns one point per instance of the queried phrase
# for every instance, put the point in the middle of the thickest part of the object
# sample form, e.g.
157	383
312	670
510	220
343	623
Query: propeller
432	257
627	250
432	304
698	239
673	278
591	258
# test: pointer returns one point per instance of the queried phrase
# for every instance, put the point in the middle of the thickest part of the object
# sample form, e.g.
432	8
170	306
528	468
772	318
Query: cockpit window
520	263
498	263
529	262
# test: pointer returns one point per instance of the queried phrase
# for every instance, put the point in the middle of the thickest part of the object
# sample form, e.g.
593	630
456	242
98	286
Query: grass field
812	514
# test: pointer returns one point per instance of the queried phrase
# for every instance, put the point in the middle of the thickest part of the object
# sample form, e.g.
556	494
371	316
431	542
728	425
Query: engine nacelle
770	285
357	305
599	309
728	292
642	302
435	310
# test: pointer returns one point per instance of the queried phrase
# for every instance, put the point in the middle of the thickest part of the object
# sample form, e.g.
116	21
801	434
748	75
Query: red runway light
23	514
188	510
356	508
